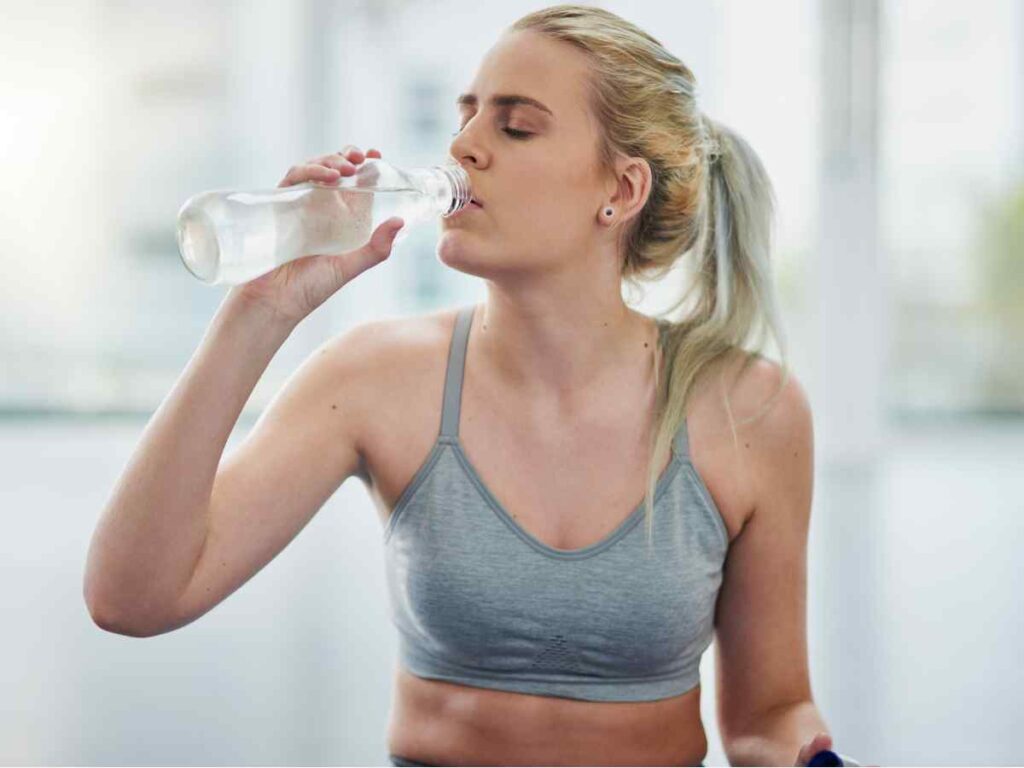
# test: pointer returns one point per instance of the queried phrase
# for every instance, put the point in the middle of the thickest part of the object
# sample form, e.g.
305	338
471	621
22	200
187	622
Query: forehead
532	65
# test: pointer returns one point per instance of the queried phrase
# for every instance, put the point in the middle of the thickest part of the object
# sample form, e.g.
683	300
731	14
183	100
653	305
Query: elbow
111	622
121	623
118	620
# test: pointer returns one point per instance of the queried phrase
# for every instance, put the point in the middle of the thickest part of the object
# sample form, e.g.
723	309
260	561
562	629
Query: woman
539	624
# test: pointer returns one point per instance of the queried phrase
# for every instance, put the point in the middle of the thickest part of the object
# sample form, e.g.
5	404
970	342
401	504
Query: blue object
826	757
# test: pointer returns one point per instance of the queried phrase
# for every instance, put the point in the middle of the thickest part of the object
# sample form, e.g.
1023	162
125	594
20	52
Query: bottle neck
446	185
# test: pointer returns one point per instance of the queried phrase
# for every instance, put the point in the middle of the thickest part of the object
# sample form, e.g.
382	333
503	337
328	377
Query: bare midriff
443	723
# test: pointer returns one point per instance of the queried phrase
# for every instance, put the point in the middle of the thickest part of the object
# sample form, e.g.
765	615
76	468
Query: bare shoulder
770	413
755	390
385	362
775	420
381	350
775	402
780	432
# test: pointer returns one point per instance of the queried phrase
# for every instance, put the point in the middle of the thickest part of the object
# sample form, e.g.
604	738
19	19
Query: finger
383	238
308	172
373	153
345	160
804	755
349	156
807	751
820	742
353	153
338	163
374	252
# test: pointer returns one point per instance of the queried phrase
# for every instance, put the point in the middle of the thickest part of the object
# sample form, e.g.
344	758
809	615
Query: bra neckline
624	527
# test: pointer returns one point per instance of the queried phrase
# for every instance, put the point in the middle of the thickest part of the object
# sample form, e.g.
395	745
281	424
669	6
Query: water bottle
229	237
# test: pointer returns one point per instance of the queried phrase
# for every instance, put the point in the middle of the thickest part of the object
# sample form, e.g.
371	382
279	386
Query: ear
632	187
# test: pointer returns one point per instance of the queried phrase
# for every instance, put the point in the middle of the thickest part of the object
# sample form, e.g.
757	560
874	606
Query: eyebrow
503	100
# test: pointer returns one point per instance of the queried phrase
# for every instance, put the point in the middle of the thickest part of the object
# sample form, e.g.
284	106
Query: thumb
375	251
383	239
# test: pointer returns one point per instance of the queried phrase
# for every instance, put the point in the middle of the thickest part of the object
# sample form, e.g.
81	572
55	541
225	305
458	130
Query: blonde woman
513	448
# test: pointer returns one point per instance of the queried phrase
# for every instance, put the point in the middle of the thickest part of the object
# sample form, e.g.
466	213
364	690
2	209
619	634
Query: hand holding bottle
296	288
334	217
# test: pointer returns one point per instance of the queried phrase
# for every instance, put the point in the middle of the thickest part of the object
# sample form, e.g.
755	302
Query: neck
562	348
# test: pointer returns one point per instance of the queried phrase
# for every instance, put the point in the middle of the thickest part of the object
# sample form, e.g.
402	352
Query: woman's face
532	165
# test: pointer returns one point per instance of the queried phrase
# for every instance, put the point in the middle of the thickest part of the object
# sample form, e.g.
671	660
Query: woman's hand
293	290
814	746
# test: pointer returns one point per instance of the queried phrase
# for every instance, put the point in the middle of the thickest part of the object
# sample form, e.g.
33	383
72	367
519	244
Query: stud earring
608	211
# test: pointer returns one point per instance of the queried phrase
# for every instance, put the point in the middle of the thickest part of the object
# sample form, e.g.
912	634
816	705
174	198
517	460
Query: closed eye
514	133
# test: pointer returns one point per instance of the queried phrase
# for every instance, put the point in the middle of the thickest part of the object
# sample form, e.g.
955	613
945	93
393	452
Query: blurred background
894	134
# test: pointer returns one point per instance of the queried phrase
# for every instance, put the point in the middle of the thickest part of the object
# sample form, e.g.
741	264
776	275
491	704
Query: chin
457	249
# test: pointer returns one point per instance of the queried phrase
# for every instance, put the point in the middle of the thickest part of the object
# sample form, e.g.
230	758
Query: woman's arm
152	529
765	708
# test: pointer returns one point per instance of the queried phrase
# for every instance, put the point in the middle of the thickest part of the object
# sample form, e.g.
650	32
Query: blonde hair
710	198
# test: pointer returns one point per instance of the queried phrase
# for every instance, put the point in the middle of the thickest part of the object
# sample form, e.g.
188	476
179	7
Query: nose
467	159
466	150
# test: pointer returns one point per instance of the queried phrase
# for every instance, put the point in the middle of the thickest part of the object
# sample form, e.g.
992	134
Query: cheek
552	192
554	216
561	195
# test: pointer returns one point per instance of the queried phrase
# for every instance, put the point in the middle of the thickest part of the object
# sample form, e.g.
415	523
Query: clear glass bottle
230	237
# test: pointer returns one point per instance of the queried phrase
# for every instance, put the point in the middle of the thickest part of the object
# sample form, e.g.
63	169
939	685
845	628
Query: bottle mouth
461	193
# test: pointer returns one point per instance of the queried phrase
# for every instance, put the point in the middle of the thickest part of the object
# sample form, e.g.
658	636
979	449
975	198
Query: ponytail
736	306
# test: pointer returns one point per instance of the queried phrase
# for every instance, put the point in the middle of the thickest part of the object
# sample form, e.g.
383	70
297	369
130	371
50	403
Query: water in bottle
229	237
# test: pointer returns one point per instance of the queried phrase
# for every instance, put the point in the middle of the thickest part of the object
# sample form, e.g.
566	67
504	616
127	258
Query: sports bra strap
681	442
453	376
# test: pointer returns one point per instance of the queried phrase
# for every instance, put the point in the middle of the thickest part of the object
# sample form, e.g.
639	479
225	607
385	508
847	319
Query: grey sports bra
479	601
